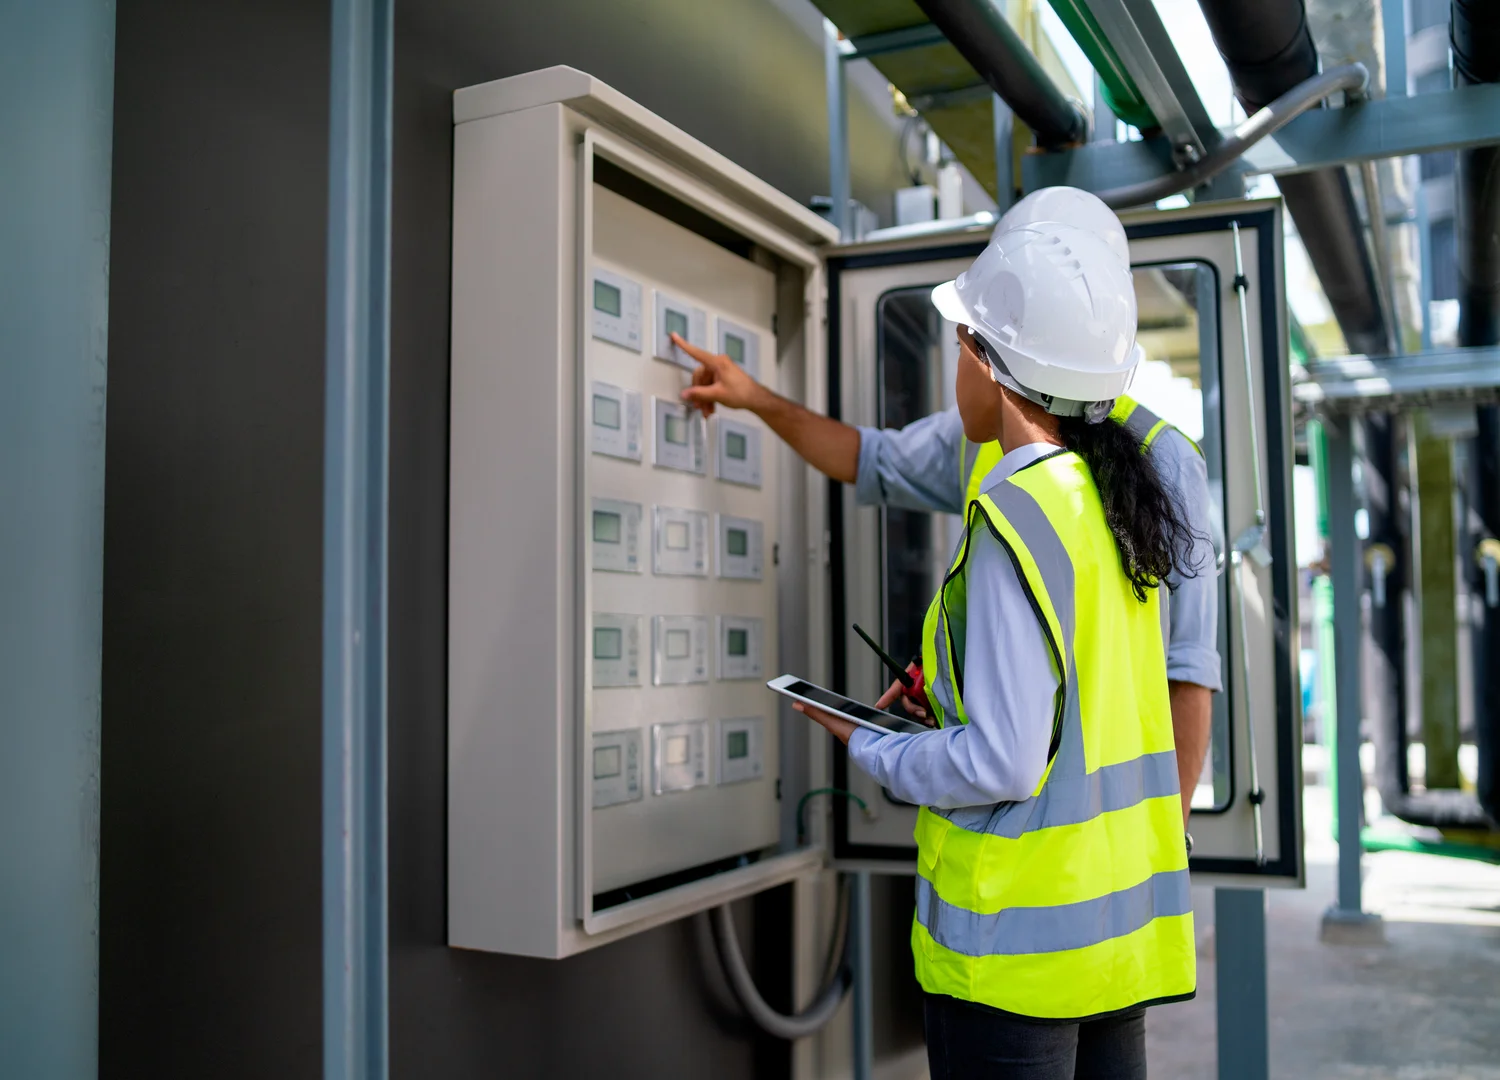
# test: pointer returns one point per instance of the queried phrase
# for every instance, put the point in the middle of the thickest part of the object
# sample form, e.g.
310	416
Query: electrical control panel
616	602
625	573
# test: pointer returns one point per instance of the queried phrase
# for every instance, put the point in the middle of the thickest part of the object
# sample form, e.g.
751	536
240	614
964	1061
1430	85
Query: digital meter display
736	446
608	642
679	644
677	536
607	762
736	746
738	643
606	298
607	412
737	542
734	348
606	527
677	323
675	430
676	752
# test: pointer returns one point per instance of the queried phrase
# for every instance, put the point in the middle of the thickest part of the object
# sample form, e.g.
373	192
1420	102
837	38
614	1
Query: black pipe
1474	33
979	31
1268	49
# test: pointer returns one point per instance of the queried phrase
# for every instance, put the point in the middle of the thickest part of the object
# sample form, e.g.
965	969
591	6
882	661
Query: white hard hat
1056	308
1069	206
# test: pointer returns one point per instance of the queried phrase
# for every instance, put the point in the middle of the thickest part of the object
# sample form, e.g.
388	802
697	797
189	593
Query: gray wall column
56	110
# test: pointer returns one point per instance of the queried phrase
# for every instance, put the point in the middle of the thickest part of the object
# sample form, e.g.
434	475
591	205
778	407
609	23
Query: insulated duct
1268	50
979	31
1475	38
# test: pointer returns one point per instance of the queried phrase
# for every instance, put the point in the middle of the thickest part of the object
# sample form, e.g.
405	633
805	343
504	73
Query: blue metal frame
56	123
1345	563
1243	1006
921	36
1390	127
357	438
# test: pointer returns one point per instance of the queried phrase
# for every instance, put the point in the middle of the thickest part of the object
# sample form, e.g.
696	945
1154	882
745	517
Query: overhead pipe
1351	79
1116	86
980	32
1268	50
1474	34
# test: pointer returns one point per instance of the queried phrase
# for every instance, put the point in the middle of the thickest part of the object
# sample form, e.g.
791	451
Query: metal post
1346	921
356	443
864	977
838	131
1394	16
1240	983
1005	178
56	124
1424	244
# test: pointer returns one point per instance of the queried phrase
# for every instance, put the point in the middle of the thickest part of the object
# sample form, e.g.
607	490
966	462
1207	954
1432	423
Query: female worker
1052	888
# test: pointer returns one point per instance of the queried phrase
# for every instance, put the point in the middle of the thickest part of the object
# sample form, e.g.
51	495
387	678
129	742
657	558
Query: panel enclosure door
891	363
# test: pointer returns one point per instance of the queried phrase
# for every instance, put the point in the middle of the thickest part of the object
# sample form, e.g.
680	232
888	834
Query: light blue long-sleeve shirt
1009	685
1009	690
917	468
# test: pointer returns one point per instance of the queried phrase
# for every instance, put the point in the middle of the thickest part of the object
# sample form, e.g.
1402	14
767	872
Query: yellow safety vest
1074	903
1138	420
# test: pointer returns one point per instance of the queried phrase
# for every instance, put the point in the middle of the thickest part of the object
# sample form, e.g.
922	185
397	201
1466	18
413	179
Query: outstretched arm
830	446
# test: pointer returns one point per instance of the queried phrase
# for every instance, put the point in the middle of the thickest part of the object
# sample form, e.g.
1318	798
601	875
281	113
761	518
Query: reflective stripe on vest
1073	903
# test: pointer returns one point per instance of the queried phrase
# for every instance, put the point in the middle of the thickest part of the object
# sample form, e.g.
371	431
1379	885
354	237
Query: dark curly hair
1149	527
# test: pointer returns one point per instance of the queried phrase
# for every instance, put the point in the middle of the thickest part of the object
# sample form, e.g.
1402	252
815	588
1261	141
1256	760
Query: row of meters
680	758
679	649
679	436
617	319
679	541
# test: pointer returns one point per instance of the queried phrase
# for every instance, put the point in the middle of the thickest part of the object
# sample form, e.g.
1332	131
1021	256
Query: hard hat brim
945	299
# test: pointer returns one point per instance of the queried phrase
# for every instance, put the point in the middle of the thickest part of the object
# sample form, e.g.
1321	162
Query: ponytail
1149	527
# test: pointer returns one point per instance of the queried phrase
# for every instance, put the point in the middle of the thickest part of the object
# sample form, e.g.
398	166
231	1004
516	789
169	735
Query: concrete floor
1423	1006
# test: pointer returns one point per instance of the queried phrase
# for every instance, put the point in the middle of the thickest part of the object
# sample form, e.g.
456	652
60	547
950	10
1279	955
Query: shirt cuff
1194	664
860	748
868	490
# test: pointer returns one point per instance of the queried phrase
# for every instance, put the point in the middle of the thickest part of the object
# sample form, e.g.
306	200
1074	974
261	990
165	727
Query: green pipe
1120	91
1372	839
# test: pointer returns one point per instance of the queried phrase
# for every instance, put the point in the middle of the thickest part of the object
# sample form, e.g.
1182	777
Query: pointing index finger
703	356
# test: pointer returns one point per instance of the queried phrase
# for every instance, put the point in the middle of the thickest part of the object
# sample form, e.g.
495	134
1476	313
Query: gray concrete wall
210	954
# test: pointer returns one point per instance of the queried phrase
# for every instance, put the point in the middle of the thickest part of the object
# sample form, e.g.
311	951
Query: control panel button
616	536
740	647
616	313
679	756
741	547
674	316
738	459
679	437
679	649
615	649
616	767
615	421
739	344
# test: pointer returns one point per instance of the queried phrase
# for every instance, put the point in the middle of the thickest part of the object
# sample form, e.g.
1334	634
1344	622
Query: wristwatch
1189	838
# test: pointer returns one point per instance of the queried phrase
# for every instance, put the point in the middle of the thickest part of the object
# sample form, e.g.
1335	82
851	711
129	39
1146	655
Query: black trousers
966	1041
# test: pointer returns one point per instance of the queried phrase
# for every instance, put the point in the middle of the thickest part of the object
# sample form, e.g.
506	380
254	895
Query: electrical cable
1350	78
838	976
802	804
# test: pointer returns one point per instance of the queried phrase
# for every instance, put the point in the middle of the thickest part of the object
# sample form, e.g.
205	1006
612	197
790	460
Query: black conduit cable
983	36
1352	79
837	976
